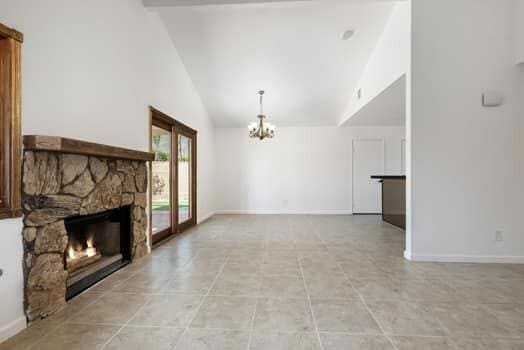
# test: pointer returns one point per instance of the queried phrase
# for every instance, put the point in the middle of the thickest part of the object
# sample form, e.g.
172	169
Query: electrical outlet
498	236
286	202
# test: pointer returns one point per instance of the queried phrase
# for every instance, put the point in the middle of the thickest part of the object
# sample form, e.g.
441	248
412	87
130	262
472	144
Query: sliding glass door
161	174
173	176
185	178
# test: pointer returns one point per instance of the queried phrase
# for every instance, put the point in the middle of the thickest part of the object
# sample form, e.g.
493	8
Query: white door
368	159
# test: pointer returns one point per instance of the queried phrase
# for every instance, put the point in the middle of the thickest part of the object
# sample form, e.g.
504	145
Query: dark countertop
389	177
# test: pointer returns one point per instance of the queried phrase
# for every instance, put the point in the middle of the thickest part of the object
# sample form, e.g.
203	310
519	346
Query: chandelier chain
261	92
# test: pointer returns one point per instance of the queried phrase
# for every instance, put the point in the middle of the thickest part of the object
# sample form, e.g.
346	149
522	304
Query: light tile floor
290	282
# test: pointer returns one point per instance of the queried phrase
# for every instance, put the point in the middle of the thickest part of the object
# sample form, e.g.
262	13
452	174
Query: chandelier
261	130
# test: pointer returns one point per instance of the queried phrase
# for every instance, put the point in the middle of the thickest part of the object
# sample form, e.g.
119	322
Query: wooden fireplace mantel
65	145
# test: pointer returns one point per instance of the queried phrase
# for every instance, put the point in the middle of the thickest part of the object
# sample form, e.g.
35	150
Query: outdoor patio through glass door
173	176
160	180
184	178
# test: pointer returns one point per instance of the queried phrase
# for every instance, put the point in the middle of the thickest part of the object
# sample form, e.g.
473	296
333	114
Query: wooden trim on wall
161	236
150	176
65	145
161	117
11	33
10	123
193	220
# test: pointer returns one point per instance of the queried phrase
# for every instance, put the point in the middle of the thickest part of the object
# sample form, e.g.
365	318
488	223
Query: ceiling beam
175	3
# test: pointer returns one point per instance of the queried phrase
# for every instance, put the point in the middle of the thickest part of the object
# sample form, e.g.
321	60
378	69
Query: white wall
12	318
172	92
301	170
519	31
388	62
90	71
467	160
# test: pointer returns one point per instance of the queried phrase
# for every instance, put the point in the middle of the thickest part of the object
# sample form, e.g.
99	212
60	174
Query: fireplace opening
98	245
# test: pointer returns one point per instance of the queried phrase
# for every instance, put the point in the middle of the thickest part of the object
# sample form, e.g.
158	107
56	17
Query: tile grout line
310	305
254	312
371	313
307	290
64	322
303	252
38	341
133	316
125	324
395	335
201	302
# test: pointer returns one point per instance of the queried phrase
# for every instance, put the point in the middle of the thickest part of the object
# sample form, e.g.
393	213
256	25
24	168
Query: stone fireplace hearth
59	185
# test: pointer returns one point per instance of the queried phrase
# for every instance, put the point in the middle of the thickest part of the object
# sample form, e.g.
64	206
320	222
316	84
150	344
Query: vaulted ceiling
386	109
291	49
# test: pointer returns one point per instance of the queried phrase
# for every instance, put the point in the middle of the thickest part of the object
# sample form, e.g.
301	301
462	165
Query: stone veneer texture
57	186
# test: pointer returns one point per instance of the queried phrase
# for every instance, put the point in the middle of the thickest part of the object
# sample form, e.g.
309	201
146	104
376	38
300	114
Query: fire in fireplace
98	245
80	254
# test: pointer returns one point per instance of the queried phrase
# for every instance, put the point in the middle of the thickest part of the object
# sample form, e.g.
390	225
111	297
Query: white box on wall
519	31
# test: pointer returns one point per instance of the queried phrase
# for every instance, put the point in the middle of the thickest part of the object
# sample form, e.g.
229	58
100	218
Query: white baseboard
273	212
285	212
497	259
205	217
12	328
407	255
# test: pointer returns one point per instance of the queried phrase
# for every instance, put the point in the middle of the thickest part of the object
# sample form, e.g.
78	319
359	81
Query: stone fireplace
84	217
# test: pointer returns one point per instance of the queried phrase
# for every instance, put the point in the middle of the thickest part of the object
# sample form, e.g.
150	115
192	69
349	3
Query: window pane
184	178
161	179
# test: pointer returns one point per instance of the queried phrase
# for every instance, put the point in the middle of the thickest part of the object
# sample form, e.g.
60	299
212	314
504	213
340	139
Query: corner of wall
206	217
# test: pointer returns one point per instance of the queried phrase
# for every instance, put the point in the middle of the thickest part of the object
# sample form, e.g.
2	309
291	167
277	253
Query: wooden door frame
166	122
191	134
169	231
